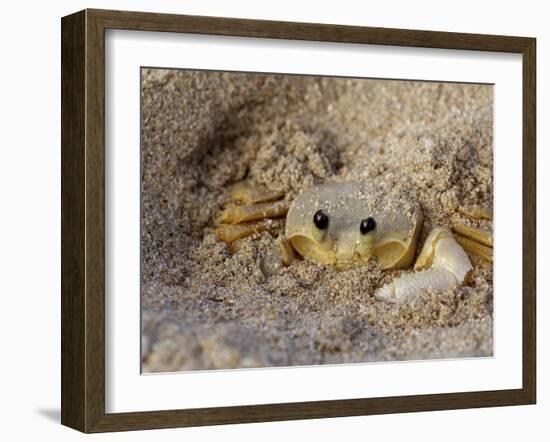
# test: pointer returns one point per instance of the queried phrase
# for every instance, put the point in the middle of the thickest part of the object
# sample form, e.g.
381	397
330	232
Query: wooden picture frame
83	218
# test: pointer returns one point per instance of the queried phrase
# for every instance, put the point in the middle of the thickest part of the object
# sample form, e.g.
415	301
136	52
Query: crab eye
367	225
319	229
320	219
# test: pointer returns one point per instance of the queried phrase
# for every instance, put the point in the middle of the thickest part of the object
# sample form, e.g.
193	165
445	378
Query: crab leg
232	232
239	214
477	212
478	242
251	213
479	261
287	251
475	248
442	264
281	255
474	233
247	194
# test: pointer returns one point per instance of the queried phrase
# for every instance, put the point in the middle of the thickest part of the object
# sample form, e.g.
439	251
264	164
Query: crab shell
398	222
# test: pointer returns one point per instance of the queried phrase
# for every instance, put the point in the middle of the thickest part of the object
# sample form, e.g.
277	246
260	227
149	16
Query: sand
205	306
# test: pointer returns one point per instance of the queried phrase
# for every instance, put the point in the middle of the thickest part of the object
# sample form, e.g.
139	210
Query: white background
30	217
128	391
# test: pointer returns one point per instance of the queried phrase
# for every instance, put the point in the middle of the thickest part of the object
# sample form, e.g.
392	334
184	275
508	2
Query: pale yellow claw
442	251
442	264
480	235
240	214
232	232
410	284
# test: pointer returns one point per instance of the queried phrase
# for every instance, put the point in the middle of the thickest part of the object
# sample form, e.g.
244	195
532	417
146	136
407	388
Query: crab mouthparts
348	253
344	253
344	264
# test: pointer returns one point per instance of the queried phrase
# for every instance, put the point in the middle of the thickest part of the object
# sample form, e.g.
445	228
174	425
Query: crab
348	224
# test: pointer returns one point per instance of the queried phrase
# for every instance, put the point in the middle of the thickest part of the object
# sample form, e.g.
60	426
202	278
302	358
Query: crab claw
442	264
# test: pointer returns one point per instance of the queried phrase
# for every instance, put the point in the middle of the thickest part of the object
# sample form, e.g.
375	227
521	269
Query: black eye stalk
320	219
367	225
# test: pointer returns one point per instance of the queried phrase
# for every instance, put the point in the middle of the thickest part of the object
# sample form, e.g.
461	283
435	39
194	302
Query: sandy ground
204	307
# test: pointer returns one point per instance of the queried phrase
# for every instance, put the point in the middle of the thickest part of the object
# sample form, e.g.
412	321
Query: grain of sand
204	307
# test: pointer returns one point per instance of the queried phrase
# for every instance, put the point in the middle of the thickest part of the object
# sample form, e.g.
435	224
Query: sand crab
348	224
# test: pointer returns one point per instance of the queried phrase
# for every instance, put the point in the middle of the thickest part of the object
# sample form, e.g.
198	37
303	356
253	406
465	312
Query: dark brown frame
83	215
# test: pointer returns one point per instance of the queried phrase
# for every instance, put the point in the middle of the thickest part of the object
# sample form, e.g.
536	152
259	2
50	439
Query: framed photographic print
267	220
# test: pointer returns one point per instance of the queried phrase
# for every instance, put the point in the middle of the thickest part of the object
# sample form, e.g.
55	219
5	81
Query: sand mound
204	307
